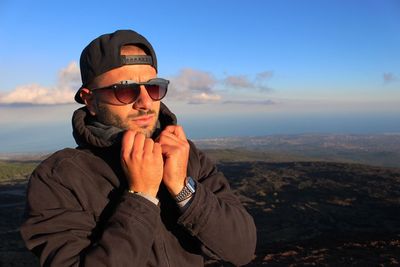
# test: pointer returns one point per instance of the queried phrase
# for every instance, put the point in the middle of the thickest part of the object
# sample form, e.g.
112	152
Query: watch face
191	184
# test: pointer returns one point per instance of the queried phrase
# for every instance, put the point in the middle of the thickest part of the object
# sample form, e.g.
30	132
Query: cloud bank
193	86
200	87
189	85
62	93
244	82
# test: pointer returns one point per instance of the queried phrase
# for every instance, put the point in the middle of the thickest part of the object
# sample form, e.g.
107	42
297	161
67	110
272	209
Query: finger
167	138
157	149
138	144
148	146
167	145
170	128
180	132
169	142
176	130
127	143
173	146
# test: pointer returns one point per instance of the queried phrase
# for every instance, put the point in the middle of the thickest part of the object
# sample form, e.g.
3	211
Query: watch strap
187	191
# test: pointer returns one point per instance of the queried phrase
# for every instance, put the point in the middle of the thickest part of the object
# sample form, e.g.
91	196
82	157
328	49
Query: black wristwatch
188	190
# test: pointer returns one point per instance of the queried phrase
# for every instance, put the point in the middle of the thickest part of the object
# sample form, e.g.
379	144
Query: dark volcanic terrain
307	213
318	213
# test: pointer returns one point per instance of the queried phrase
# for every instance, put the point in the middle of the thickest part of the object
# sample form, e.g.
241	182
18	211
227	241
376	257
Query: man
135	192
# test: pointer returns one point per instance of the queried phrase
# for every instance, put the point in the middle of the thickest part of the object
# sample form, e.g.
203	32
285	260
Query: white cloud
238	81
204	98
200	87
193	86
244	82
70	75
62	93
36	94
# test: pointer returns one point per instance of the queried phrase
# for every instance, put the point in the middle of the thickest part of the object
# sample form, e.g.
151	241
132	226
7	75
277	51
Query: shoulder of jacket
67	154
63	159
194	151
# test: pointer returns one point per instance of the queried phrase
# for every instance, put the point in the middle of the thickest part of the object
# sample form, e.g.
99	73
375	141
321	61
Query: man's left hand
175	150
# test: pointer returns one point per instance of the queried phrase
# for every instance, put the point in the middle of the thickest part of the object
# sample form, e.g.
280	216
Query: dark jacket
80	214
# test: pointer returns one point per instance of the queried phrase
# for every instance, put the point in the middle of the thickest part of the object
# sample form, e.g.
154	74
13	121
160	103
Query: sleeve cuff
183	205
152	199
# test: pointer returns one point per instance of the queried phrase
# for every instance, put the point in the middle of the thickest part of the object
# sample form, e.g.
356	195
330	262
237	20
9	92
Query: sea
43	132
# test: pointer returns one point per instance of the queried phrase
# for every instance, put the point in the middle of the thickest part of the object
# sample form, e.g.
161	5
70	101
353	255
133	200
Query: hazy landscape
326	200
376	149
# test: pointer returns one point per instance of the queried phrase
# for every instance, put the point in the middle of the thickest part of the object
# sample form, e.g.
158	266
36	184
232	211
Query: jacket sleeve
59	230
216	216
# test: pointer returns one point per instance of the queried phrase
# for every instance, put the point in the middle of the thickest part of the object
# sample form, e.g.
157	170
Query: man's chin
147	130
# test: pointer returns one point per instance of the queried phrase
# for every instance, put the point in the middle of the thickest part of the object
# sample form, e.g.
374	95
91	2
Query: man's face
141	115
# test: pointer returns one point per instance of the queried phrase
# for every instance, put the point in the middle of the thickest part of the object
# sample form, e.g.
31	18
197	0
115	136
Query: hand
142	162
175	149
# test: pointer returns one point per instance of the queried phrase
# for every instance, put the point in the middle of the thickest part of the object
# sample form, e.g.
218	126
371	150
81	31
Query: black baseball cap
104	54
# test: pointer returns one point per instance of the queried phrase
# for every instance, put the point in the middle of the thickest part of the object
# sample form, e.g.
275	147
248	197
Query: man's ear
89	100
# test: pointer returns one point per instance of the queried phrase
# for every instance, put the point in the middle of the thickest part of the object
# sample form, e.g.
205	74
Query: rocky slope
321	213
307	213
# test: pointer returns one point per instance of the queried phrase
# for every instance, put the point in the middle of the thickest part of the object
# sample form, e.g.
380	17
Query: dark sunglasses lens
127	93
156	91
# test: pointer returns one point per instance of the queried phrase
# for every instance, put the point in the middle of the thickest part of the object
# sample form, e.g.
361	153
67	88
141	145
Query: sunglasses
127	92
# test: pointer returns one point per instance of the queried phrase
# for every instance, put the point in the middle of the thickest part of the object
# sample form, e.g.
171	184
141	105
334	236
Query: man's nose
144	101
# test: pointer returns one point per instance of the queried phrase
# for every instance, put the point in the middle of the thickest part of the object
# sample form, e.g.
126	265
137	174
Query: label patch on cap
136	60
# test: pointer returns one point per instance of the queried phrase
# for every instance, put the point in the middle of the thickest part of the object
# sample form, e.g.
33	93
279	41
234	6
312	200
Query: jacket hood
86	134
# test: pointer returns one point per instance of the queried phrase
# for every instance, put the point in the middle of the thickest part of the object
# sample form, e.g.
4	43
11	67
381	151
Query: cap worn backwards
104	54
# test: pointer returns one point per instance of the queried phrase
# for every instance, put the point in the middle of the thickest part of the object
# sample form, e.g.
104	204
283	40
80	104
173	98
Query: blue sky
313	49
223	57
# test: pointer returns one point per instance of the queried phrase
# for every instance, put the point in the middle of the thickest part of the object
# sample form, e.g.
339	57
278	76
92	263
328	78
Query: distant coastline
371	149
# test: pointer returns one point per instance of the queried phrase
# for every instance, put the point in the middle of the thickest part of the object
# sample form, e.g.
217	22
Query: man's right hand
142	162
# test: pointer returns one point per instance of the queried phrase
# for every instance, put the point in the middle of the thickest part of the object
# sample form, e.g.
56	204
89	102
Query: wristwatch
188	190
